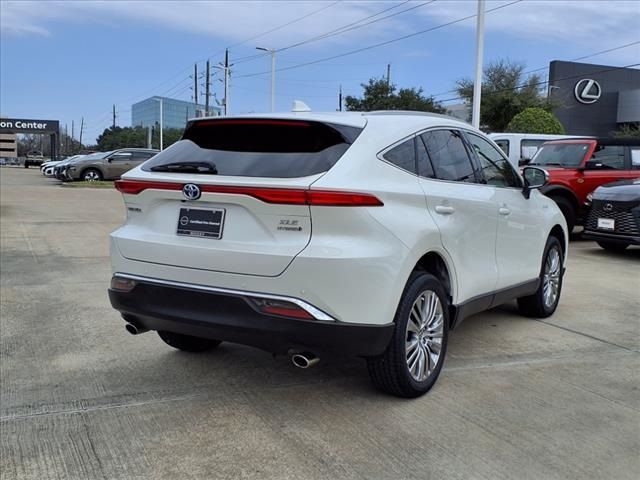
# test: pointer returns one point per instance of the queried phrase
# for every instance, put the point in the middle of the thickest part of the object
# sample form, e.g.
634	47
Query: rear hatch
245	208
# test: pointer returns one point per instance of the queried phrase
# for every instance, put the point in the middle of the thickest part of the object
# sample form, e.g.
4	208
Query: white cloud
591	25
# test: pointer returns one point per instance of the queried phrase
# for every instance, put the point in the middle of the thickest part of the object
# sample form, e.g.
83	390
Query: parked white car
367	234
521	147
47	167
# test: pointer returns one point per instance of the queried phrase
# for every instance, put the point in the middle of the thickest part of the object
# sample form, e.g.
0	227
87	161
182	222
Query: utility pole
195	85
388	77
340	99
206	85
66	139
72	136
81	129
227	79
114	116
477	84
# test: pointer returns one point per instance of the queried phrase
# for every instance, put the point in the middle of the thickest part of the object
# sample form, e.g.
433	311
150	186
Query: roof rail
411	112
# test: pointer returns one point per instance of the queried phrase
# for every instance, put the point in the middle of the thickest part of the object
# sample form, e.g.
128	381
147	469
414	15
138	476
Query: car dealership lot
81	398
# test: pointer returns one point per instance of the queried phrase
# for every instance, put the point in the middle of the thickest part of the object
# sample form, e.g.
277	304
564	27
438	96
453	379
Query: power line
279	27
572	77
620	47
354	26
381	44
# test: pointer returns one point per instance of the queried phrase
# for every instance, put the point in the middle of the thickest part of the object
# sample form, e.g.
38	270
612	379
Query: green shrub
535	120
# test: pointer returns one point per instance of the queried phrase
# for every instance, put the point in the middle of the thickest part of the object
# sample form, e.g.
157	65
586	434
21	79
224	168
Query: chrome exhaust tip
304	359
135	330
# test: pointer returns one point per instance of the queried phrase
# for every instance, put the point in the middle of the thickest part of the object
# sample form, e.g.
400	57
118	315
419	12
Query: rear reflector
284	196
281	308
122	284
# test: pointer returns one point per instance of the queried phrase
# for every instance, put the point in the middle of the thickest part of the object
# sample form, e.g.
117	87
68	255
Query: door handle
444	209
504	211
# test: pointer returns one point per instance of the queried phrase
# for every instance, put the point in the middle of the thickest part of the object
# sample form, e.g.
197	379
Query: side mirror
534	178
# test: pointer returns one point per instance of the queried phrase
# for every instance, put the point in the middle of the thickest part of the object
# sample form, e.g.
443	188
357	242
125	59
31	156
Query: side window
635	158
449	156
403	156
504	146
141	156
528	148
425	169
496	169
610	156
121	157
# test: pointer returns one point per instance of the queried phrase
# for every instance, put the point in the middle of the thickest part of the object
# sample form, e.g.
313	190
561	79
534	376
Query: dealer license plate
196	222
606	224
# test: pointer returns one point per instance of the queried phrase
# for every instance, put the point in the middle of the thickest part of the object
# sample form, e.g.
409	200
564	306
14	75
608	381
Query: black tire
568	211
389	372
94	174
26	165
535	305
613	247
187	343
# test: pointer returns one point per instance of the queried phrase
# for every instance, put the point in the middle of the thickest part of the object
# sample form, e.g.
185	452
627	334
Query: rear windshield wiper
187	167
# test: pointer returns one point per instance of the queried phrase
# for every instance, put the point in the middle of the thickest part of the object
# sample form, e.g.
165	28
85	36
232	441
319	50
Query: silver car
107	165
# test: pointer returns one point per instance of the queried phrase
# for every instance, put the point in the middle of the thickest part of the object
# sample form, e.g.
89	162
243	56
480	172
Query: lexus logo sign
587	91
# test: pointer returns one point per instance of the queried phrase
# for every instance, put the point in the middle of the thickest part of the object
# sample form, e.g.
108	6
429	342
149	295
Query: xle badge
289	225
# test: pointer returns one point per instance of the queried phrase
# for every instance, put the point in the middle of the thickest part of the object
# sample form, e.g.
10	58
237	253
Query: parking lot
81	398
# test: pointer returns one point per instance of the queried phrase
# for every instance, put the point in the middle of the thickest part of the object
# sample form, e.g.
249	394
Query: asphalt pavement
81	399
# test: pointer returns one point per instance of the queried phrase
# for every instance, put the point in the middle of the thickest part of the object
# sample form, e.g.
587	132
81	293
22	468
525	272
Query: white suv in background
370	234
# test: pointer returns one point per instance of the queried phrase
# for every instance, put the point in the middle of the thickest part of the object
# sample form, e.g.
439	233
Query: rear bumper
611	237
230	317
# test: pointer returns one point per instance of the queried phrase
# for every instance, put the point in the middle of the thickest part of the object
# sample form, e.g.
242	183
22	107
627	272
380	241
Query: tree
378	95
130	137
630	130
535	120
505	93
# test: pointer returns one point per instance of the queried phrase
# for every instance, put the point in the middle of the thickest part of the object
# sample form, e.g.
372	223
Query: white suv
370	234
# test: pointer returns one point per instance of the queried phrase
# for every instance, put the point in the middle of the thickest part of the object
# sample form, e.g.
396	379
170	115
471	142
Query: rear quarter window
259	147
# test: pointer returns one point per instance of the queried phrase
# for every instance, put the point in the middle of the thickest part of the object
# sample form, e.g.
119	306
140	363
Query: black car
614	218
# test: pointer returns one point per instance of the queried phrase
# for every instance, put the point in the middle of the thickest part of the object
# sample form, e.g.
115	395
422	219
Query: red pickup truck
577	167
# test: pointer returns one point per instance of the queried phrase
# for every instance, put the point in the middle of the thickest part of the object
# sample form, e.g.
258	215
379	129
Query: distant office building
175	113
461	111
594	99
8	145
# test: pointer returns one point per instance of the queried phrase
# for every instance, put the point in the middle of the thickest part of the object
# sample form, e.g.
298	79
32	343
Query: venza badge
191	191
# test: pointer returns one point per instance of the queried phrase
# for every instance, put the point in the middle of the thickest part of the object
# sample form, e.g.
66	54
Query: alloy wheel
551	277
425	330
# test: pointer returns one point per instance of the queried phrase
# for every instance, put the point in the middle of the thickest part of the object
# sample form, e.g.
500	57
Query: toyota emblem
607	207
191	191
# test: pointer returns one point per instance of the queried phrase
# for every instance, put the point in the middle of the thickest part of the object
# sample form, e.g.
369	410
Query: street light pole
477	84
161	122
272	51
161	126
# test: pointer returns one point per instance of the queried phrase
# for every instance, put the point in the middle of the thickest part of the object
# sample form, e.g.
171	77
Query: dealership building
175	113
594	100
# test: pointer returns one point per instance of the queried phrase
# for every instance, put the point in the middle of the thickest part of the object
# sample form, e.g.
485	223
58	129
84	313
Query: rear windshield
561	154
256	148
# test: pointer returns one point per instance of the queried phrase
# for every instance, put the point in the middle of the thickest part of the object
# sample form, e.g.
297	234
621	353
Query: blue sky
64	60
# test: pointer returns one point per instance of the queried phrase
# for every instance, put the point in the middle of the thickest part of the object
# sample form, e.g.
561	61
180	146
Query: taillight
283	196
134	187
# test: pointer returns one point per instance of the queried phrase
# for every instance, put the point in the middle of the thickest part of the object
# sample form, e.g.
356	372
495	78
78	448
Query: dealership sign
587	91
23	125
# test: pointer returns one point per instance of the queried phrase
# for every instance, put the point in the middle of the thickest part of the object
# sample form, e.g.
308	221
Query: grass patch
95	184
